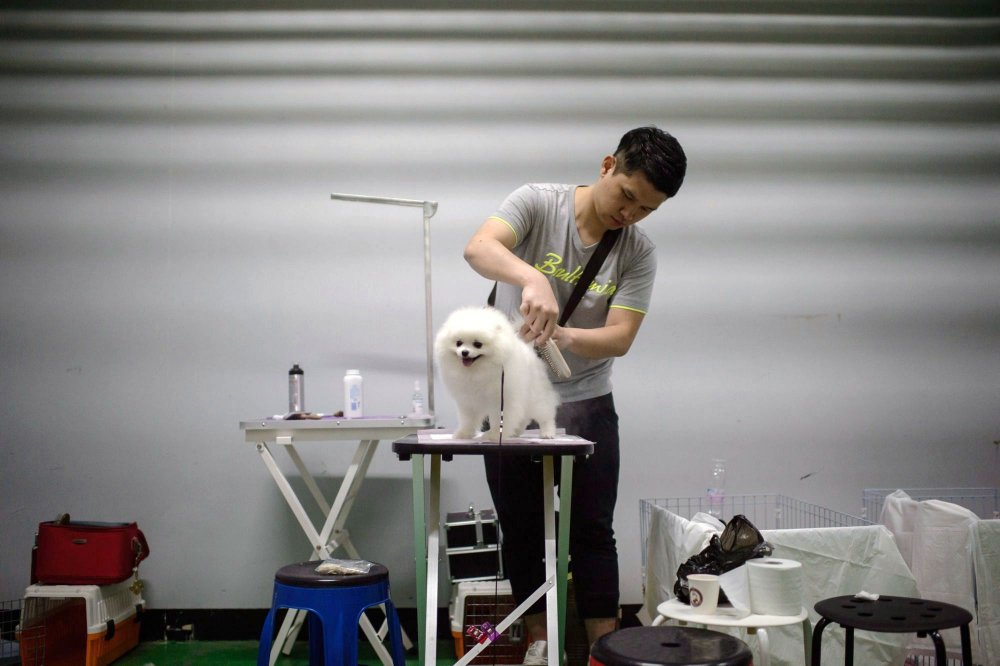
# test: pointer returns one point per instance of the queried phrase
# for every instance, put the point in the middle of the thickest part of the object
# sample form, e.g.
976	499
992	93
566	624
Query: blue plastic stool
335	605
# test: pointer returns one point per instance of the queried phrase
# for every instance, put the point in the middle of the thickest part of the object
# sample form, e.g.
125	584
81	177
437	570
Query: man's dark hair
655	153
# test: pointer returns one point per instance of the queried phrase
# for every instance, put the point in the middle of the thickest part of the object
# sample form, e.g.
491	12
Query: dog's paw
464	433
547	431
493	435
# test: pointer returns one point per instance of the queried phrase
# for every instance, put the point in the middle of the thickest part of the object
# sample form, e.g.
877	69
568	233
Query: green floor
243	653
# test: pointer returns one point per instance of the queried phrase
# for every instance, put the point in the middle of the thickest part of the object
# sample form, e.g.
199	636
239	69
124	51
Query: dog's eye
458	343
477	345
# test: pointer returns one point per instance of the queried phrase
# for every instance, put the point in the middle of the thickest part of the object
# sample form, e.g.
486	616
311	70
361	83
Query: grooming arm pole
429	208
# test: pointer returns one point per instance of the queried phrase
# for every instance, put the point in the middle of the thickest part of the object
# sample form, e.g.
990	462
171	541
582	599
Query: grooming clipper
549	352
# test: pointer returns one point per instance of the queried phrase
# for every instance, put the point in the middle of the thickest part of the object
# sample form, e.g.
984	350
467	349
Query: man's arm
489	254
613	339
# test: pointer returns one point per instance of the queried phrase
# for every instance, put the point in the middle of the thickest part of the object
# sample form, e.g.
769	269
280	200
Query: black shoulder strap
590	270
608	241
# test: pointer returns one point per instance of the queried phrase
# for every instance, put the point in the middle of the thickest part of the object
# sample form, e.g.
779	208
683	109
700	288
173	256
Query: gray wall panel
826	316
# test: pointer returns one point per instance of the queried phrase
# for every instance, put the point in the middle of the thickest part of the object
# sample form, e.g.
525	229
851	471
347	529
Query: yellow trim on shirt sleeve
625	307
500	219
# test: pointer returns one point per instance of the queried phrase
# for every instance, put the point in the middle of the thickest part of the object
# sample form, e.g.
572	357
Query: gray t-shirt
543	218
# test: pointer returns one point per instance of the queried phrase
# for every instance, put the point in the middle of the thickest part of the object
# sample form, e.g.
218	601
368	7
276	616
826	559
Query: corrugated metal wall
827	313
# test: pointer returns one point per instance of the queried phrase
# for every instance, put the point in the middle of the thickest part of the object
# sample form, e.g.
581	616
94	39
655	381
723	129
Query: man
535	247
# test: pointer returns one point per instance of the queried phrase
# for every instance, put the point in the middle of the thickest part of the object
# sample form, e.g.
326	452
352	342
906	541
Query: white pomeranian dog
473	347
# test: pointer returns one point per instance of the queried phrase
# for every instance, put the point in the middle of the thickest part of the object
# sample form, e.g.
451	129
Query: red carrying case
86	553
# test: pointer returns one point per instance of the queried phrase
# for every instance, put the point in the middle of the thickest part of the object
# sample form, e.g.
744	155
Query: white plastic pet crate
766	512
476	602
90	625
984	502
16	648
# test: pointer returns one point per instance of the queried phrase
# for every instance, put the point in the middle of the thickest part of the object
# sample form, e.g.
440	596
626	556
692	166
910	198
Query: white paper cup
704	592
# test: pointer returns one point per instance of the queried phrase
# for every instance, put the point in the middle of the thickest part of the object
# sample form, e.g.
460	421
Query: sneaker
537	654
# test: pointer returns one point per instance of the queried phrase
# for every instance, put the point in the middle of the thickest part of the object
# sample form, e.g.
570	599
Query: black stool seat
303	574
669	646
898	615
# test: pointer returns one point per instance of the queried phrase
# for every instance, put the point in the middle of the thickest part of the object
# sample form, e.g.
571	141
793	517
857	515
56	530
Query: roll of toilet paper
775	586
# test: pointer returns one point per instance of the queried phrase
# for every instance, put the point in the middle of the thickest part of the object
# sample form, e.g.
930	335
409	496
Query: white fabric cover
936	539
899	514
942	563
986	564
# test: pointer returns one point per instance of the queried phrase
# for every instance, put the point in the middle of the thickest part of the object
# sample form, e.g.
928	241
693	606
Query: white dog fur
472	348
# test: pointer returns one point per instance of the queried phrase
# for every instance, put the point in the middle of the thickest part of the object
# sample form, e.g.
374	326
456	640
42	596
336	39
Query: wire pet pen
984	502
768	511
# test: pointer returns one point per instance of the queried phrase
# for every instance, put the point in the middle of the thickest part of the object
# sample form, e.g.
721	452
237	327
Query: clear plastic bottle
354	395
296	389
417	402
716	493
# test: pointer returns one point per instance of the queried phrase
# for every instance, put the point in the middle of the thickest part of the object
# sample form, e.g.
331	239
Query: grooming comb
549	352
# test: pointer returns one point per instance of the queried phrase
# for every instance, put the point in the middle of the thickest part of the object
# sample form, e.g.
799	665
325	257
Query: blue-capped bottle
354	395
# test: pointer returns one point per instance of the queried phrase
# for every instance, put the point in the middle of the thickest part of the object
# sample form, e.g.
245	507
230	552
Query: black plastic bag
740	541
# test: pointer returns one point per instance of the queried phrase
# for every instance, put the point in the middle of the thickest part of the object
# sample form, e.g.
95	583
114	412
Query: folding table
440	444
333	534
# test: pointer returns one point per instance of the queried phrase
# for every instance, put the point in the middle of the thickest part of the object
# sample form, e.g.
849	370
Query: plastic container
88	625
716	492
296	389
354	395
417	402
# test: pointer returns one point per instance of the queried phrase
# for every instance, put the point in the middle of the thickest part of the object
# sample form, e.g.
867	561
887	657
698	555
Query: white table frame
333	534
676	609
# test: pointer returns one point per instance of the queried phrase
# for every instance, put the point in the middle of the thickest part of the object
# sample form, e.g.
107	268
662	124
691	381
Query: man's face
622	200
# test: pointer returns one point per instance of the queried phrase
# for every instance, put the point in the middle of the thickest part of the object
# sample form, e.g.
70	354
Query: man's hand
540	311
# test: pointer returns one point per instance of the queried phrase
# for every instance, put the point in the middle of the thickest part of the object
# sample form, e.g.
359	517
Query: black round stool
897	615
669	646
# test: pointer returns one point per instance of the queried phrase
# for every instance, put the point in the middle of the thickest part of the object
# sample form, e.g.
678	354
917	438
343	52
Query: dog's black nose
465	352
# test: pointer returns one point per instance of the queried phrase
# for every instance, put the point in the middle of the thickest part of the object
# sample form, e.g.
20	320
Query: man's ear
608	165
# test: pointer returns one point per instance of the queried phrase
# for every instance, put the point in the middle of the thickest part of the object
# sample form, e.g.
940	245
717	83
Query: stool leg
765	647
266	636
317	647
395	634
848	646
340	640
940	656
817	641
806	641
966	645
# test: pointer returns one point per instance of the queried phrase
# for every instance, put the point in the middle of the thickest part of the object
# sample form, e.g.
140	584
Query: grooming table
333	533
439	444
